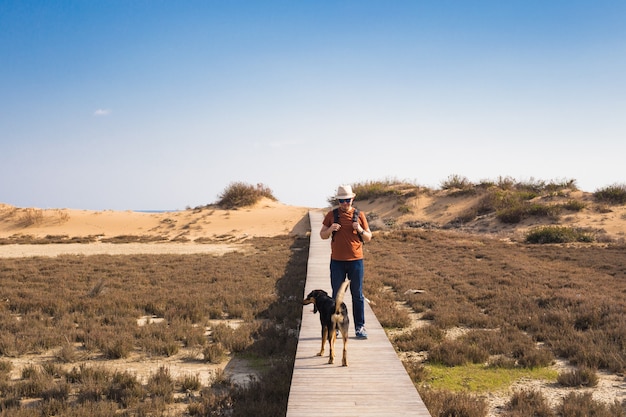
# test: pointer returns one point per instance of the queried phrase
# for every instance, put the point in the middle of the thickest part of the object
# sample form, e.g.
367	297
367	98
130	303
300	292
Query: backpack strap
335	220
355	218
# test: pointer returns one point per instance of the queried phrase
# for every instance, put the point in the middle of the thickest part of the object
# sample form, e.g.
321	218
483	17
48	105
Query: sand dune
214	230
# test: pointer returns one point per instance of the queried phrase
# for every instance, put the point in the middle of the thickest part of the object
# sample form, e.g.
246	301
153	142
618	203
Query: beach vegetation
558	234
613	194
240	194
89	311
448	403
493	313
510	201
456	182
489	314
579	377
528	403
385	188
583	404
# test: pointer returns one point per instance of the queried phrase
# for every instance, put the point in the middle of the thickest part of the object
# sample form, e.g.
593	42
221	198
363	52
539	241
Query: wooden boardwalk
375	382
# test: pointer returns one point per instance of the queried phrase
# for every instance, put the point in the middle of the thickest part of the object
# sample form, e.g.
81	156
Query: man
348	233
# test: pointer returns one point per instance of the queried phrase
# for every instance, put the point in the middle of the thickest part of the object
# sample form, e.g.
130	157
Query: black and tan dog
333	316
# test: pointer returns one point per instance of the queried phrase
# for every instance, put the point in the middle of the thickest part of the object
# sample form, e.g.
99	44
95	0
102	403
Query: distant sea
156	211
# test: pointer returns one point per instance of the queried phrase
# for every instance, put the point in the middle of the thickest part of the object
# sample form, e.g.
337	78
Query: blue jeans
339	270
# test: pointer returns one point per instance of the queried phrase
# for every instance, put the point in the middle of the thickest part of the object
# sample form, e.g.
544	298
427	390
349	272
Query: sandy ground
17	251
207	230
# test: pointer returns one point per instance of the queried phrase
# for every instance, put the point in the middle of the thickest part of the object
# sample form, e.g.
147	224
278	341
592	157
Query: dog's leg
344	359
332	339
324	337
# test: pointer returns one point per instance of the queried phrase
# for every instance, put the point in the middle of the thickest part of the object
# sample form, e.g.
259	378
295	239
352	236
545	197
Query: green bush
370	190
574	205
558	234
240	194
543	210
613	194
456	182
511	215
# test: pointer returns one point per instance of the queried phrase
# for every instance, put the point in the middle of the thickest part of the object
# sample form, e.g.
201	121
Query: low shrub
417	340
374	189
575	405
388	314
456	353
582	377
456	182
34	382
528	403
235	340
574	205
117	348
543	210
558	234
502	362
58	391
511	215
92	382
417	371
161	384
125	389
211	403
5	367
214	353
240	194
67	353
534	357
613	194
444	403
189	382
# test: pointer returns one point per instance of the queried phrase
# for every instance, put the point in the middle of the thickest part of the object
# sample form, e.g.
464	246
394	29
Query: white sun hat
344	191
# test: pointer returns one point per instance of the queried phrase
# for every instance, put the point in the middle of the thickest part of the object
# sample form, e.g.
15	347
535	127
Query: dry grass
85	310
520	305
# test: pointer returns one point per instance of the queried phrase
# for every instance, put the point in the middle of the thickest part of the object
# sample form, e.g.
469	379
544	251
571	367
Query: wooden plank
374	383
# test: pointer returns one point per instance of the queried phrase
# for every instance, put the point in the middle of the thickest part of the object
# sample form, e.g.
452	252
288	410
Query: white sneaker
361	333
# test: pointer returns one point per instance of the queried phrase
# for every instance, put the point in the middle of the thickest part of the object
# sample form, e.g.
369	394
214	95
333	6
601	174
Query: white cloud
102	112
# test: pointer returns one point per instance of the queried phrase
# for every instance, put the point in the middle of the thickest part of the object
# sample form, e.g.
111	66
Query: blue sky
131	105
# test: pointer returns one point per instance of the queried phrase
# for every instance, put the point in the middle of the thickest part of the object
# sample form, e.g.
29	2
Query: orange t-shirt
346	245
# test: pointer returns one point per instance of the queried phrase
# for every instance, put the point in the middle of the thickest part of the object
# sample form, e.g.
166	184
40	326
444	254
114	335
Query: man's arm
327	231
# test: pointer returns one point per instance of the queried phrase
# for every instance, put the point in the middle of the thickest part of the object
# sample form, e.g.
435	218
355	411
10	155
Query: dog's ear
314	308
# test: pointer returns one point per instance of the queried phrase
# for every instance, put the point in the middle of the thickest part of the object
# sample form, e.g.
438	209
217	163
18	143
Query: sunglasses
344	200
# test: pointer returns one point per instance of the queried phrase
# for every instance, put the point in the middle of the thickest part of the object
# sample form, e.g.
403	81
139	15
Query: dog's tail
339	295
